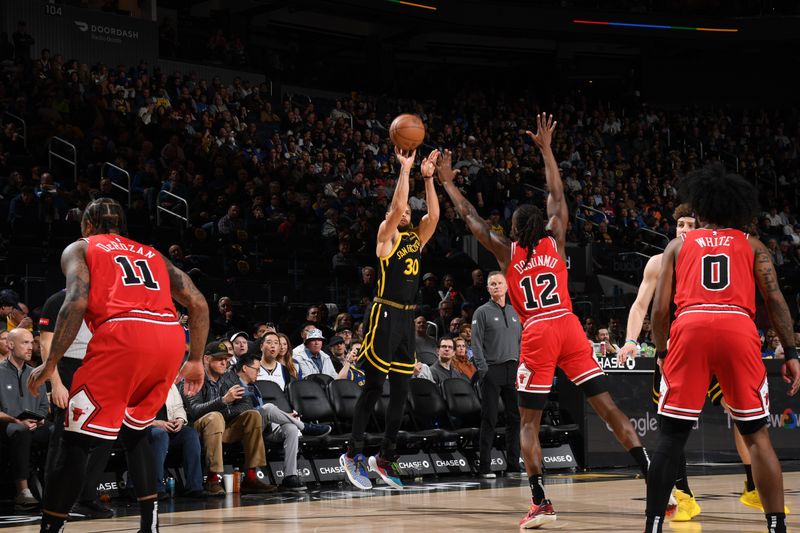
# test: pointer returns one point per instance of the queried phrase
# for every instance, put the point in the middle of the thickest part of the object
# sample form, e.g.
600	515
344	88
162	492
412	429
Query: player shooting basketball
389	346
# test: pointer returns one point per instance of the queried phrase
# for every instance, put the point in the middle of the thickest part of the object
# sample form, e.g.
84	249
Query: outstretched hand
444	167
428	165
405	157
545	125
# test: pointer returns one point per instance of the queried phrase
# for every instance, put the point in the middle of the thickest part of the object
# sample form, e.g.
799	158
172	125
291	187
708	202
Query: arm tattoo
70	316
778	311
767	271
474	222
186	294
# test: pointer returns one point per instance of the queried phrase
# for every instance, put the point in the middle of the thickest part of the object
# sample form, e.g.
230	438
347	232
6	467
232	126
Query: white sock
26	492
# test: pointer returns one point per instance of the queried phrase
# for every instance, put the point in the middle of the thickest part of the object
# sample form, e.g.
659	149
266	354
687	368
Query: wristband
661	354
790	353
630	341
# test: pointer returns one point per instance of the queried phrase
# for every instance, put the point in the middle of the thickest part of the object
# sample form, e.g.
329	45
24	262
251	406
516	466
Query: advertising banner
711	439
90	36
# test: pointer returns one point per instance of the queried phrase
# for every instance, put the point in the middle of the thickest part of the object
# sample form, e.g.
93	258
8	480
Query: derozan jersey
714	271
538	289
129	281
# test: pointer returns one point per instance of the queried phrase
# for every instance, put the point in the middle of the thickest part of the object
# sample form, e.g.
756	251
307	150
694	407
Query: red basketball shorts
125	377
555	342
723	344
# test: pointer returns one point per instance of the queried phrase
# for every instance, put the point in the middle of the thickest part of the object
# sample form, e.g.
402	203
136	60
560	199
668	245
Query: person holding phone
22	415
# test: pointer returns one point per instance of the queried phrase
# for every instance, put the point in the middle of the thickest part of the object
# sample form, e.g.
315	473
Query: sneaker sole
538	521
350	476
373	465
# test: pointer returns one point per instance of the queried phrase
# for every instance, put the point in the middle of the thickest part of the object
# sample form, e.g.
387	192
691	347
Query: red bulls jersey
129	281
714	272
538	288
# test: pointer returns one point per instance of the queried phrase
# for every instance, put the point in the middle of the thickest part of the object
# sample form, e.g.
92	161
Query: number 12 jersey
538	288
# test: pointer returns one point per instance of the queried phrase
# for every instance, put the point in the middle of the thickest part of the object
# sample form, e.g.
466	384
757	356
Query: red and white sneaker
672	506
538	515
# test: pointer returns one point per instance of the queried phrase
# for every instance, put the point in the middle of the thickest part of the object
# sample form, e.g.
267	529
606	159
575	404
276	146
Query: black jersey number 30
716	272
130	277
548	283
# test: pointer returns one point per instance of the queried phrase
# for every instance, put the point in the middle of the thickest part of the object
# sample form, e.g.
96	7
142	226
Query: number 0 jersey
714	272
399	278
538	288
129	281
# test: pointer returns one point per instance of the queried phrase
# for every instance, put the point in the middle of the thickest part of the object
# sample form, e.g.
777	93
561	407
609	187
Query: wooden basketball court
584	502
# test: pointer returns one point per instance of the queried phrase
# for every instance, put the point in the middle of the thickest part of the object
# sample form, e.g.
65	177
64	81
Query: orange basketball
407	132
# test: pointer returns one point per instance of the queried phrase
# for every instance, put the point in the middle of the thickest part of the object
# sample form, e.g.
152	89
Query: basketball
407	132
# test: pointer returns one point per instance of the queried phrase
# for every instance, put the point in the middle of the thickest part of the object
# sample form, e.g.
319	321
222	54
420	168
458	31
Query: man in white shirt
272	369
312	360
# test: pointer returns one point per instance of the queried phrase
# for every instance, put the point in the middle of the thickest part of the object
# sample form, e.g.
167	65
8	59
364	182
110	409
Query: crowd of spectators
267	178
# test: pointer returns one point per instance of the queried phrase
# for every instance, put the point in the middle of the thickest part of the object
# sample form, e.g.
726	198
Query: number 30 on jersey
412	267
541	293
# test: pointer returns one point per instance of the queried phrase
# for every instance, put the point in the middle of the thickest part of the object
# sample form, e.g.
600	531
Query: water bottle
171	486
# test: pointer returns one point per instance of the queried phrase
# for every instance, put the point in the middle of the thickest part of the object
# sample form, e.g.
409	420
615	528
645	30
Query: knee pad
748	427
595	386
531	400
674	434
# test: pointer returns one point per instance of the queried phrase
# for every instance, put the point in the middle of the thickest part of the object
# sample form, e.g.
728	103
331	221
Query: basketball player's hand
38	377
59	395
428	165
628	351
791	374
193	376
545	125
444	167
406	158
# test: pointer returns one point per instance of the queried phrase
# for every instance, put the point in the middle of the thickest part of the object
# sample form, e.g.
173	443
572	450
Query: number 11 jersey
129	281
538	288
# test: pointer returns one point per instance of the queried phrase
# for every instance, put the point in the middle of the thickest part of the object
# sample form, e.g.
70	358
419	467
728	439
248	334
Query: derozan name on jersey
112	246
537	260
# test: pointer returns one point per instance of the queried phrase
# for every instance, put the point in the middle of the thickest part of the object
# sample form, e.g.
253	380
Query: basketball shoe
388	470
687	507
750	498
356	470
538	515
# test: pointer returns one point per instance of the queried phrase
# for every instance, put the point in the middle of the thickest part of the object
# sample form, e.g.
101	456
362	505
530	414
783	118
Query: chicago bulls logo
77	412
